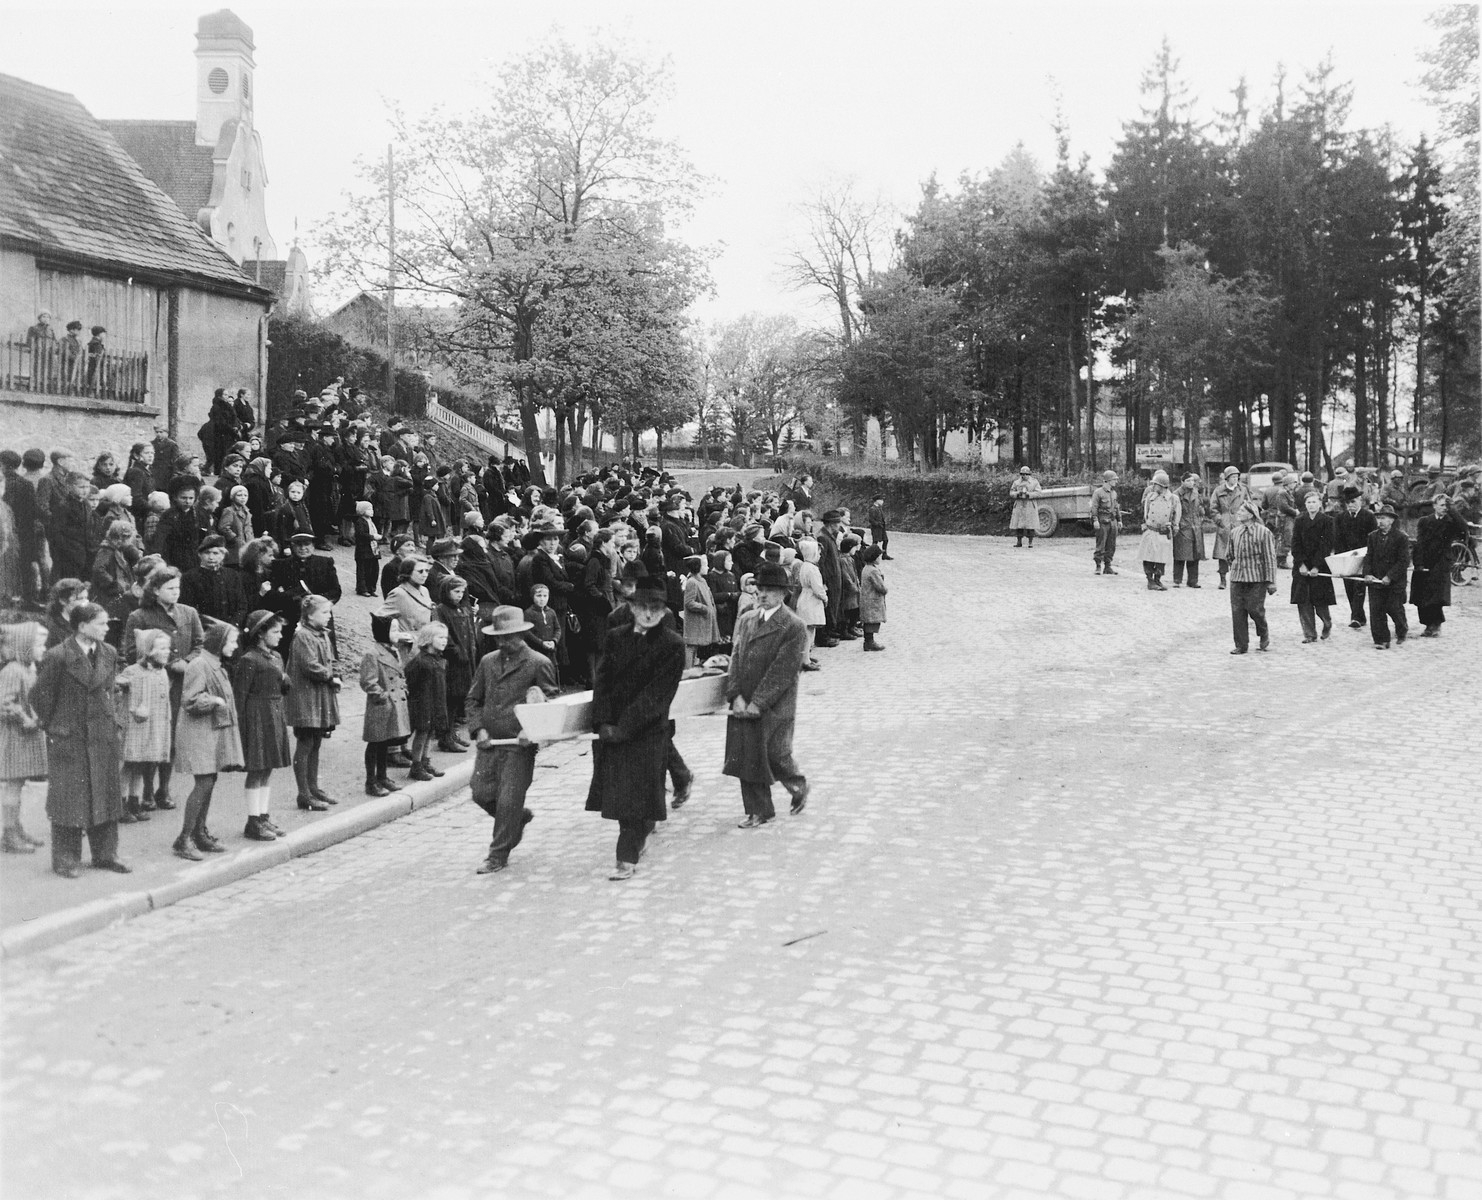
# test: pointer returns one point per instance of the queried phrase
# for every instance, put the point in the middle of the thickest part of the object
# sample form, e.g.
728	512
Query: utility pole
391	278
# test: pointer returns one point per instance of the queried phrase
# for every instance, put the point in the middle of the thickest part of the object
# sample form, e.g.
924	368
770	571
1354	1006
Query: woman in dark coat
636	681
1430	585
457	612
1312	593
259	683
73	699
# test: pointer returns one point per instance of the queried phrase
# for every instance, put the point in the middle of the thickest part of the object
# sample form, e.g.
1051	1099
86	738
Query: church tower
224	69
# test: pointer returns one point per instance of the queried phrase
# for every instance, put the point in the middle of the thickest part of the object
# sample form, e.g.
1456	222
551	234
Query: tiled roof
166	151
274	272
68	187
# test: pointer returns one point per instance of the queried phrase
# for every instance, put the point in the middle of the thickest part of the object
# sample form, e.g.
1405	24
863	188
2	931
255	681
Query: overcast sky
770	98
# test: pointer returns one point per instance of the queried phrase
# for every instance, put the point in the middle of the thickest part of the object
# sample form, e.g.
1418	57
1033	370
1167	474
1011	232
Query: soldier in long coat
1024	518
1188	534
74	702
1229	494
767	654
1160	517
636	681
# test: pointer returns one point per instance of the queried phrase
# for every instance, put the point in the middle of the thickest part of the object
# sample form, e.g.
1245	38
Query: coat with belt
700	626
1431	582
207	739
260	683
1188	534
1223	502
766	659
636	681
1025	515
385	686
1161	513
75	703
1312	542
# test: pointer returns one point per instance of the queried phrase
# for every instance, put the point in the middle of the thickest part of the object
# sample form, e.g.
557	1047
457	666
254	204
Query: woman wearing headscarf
234	524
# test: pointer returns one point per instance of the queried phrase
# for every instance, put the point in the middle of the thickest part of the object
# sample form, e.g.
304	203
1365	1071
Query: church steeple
224	67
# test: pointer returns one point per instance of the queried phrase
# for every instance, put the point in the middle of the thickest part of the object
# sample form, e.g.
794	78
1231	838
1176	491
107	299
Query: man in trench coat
768	649
73	699
636	680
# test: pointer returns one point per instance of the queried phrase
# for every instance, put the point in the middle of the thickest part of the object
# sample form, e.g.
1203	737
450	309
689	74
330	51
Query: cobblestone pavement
1082	907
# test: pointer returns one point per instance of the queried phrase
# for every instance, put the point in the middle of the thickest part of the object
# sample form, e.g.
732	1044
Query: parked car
1262	473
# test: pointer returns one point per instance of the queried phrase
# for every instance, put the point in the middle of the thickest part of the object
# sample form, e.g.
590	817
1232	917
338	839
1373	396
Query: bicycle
1462	556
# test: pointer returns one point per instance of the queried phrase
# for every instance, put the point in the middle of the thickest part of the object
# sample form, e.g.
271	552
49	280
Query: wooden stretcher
569	718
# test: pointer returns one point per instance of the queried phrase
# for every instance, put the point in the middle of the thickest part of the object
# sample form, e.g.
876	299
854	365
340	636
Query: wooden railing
53	368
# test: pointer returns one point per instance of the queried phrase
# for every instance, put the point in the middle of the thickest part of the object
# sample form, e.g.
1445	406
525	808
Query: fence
54	369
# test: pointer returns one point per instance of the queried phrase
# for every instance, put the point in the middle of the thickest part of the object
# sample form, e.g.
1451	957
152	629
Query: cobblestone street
1082	906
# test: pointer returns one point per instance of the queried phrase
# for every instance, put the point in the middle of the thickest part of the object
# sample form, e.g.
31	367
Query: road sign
1152	453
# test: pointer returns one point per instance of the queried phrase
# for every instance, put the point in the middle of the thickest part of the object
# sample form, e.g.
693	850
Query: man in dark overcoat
73	699
636	680
502	774
304	573
768	649
833	576
1351	530
1387	570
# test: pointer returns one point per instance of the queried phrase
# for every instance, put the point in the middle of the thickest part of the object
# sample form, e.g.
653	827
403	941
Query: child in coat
747	600
725	592
872	592
260	683
313	703
22	743
456	609
701	631
812	597
546	634
367	549
386	717
207	740
146	732
849	564
427	696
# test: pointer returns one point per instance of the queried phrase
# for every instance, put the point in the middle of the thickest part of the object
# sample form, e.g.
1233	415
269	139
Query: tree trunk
1360	401
531	431
560	415
1420	360
659	448
1445	403
1090	389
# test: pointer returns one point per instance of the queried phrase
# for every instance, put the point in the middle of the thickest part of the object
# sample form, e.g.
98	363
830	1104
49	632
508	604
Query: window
217	80
246	86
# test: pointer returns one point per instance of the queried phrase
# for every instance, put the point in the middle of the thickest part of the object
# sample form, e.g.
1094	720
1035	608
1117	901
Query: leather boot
183	849
426	765
419	772
384	781
373	787
137	808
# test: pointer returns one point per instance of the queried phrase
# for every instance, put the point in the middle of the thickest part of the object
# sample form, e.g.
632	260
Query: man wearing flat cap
303	573
768	649
209	590
1351	530
508	675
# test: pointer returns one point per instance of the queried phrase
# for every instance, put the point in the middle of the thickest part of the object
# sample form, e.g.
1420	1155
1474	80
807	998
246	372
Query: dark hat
635	570
181	482
871	553
533	537
33	459
258	621
833	516
97	329
1350	493
671	504
212	541
71	325
216	635
505	619
1385	510
1307	477
770	574
302	539
443	547
651	587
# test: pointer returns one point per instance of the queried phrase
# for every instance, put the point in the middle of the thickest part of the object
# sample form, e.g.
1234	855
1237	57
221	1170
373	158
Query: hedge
935	502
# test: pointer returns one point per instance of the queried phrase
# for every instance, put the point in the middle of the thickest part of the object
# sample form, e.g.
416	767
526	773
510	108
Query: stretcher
569	718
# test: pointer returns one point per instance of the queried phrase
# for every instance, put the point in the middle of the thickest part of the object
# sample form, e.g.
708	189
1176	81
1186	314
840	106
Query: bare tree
844	242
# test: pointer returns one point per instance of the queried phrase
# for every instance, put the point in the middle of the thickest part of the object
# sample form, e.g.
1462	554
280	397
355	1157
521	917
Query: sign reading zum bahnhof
1154	452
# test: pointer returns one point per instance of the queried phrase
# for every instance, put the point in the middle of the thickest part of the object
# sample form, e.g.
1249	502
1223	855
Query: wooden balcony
50	368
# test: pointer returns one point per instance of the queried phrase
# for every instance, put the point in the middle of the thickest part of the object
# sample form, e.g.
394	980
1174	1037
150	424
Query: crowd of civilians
172	614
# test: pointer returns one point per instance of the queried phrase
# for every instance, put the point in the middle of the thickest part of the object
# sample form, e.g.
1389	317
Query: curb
55	928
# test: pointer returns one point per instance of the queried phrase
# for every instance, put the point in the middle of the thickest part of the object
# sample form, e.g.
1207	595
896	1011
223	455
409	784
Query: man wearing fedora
637	678
1387	570
510	674
768	649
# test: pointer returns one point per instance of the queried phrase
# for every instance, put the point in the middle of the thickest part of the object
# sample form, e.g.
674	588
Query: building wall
239	219
219	348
